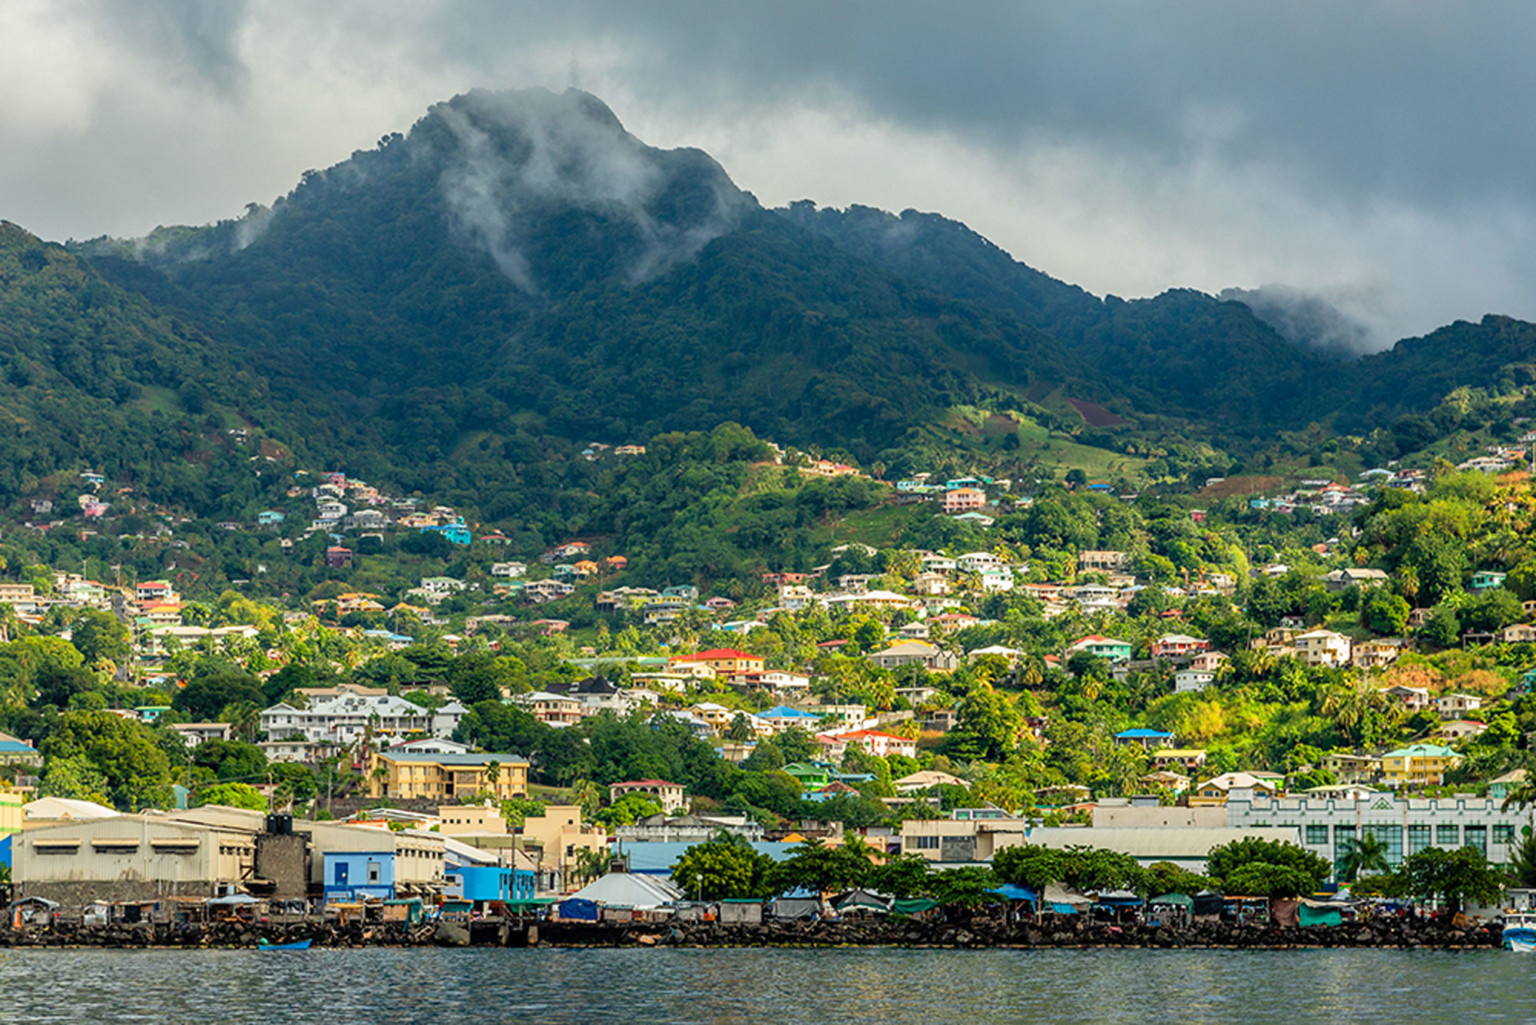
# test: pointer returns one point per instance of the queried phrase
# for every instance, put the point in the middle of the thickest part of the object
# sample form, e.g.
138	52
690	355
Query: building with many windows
1404	826
440	777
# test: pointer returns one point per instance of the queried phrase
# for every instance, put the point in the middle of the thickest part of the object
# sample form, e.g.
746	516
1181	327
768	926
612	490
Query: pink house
1178	644
964	500
882	744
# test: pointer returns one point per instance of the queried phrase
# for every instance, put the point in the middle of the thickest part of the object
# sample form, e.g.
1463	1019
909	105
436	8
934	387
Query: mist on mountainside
1346	325
519	154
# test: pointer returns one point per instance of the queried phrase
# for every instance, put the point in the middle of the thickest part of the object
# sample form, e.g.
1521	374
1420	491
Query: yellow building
10	810
558	835
441	777
1418	765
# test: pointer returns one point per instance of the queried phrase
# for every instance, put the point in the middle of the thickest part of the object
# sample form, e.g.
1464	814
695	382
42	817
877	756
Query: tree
287	679
1443	630
1384	612
1365	853
76	778
1272	868
990	722
100	637
968	887
628	810
721	869
232	795
814	866
1260	879
1522	860
1029	865
231	760
740	729
905	875
136	771
1454	876
205	697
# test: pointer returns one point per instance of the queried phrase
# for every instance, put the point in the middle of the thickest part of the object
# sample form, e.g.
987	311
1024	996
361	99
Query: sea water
867	986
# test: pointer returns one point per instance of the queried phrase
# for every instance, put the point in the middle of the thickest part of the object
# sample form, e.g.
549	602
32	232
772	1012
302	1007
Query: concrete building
930	656
668	795
344	718
1184	846
447	777
1404	825
962	840
1418	765
129	857
1322	648
555	839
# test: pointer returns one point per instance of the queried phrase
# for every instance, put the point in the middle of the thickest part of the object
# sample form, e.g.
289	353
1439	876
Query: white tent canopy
51	809
622	889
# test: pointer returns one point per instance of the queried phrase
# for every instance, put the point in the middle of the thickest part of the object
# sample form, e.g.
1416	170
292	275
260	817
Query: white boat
1520	931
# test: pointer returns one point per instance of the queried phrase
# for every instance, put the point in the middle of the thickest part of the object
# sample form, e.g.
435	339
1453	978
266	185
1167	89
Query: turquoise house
458	533
1487	580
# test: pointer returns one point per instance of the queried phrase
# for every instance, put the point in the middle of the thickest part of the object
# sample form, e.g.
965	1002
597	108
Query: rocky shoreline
1390	933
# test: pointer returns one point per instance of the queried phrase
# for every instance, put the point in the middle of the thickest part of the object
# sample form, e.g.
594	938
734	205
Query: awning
1174	900
1013	891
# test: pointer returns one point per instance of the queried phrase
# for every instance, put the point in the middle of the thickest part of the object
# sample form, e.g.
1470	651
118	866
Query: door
341	873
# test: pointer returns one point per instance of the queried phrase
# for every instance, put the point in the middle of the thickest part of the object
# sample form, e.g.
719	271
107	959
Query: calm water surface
871	987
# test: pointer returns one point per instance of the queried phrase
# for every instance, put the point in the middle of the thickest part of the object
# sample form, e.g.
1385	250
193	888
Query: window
1391	838
1418	838
1503	832
1343	841
1317	834
1477	839
1448	836
927	843
373	872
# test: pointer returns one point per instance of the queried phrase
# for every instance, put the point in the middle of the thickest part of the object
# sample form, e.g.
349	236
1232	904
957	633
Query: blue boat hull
301	945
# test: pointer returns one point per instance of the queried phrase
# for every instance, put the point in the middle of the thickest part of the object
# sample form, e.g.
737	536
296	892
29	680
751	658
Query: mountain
1182	353
462	307
95	375
520	258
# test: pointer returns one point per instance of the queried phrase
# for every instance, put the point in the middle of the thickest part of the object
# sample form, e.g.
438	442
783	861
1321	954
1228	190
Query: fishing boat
299	945
1520	931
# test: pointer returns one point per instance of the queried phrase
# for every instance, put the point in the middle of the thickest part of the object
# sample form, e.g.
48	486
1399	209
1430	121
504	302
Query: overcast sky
1379	154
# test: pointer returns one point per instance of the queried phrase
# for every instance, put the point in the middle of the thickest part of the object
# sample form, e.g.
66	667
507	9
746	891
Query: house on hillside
1110	648
921	653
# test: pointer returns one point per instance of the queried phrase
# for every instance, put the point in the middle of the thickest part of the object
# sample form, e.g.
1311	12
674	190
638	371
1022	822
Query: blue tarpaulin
5	851
1064	909
1012	891
578	908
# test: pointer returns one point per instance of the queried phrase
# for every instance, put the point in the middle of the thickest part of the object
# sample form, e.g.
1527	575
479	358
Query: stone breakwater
980	933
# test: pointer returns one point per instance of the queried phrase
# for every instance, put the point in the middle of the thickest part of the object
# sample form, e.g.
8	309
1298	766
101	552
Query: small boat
264	945
1520	932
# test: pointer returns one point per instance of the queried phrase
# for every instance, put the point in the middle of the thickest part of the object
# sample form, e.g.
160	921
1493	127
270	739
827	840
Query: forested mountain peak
548	186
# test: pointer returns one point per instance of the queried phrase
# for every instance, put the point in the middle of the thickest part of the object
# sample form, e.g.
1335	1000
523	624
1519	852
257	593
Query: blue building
458	533
355	875
490	882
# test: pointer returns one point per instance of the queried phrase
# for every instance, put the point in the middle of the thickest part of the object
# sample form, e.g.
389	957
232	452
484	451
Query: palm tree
1351	706
1522	861
591	862
1521	796
1365	853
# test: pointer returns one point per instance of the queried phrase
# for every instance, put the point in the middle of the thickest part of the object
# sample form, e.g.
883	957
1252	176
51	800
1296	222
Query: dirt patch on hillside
999	424
1096	415
1241	486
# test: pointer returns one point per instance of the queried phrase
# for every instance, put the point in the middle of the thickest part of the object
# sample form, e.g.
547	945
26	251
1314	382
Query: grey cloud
193	41
1375	154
